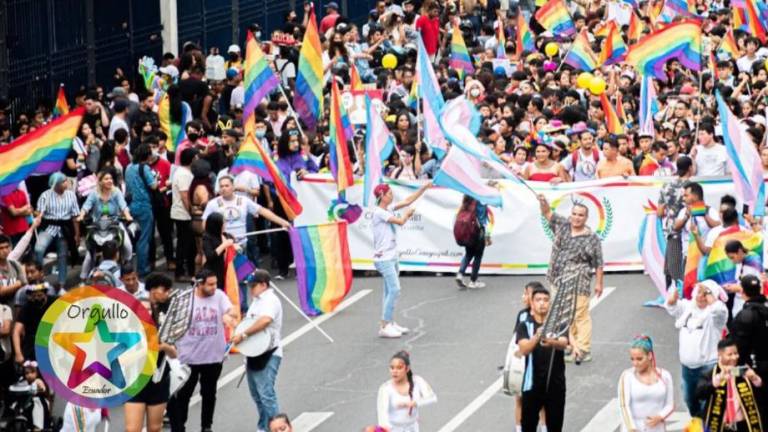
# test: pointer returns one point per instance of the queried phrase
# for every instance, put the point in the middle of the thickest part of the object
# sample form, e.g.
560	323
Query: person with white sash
264	316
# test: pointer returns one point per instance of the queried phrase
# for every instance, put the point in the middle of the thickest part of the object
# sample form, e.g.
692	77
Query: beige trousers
580	333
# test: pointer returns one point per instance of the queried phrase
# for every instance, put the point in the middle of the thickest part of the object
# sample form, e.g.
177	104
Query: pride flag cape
681	40
525	38
175	131
581	56
648	166
62	107
743	159
729	45
231	282
612	121
323	266
460	61
379	144
252	157
432	101
554	17
614	48
652	245
341	134
721	269
258	79
308	98
40	152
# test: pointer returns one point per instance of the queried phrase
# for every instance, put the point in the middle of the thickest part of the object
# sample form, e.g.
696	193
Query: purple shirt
204	341
295	162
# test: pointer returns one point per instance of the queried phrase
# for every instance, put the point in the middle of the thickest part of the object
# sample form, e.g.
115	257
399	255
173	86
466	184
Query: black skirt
155	393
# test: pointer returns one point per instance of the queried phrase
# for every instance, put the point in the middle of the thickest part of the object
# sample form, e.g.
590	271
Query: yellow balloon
597	86
551	49
766	64
389	61
584	79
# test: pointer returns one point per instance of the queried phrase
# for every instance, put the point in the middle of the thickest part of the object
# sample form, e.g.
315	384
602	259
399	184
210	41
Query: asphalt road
457	343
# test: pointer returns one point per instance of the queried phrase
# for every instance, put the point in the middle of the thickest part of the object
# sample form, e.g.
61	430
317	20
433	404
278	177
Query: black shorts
155	393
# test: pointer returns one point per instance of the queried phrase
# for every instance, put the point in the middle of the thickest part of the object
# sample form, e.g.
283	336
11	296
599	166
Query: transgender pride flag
432	101
461	171
743	160
652	247
378	146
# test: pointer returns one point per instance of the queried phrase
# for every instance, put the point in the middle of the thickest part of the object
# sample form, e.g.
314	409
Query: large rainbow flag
252	157
308	98
341	134
175	131
40	152
61	107
460	61
379	144
681	40
581	56
554	17
720	268
612	121
323	266
258	78
525	38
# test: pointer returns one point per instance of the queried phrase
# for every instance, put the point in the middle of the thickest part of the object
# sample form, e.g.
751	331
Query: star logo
108	346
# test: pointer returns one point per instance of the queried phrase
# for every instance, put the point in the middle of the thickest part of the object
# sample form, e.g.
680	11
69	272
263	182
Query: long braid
410	387
406	358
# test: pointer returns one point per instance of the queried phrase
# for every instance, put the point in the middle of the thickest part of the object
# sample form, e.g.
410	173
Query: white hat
170	70
233	49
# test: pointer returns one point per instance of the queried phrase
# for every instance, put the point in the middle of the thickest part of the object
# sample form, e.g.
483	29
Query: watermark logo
97	346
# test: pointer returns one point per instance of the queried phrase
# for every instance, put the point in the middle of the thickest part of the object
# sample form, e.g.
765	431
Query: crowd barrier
521	238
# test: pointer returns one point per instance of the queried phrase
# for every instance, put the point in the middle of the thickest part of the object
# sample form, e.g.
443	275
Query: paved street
457	343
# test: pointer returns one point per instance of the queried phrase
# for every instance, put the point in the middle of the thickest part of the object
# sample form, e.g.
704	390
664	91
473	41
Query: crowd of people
159	211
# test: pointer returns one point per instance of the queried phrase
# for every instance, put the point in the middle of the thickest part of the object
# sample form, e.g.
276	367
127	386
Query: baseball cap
380	190
332	5
116	92
169	70
232	72
233	49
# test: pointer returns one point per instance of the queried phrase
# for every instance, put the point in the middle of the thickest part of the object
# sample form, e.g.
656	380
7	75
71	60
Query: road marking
494	388
235	373
608	419
308	421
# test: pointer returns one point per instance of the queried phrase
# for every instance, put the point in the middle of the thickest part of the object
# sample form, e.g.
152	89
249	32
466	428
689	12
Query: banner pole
266	231
298	309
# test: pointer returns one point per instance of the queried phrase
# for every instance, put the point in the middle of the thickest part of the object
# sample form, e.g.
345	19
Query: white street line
235	373
308	421
606	420
494	388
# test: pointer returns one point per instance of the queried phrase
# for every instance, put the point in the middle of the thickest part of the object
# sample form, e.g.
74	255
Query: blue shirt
111	208
134	184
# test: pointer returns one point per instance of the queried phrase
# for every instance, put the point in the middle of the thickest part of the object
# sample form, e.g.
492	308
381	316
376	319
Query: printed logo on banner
342	210
97	346
600	208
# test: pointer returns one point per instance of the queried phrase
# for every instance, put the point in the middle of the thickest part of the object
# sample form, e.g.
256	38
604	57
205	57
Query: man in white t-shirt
711	158
266	315
582	164
385	256
181	180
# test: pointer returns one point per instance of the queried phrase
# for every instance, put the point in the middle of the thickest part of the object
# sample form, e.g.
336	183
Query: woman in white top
400	397
646	394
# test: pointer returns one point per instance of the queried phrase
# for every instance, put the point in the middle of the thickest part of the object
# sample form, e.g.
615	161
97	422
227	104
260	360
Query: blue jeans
262	387
62	250
690	379
390	271
145	219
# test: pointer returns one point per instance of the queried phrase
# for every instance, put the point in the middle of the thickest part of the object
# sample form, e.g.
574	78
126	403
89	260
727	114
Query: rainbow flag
308	98
729	45
355	83
743	159
581	56
61	107
413	95
648	167
39	152
231	282
501	38
614	48
720	268
612	121
652	245
176	131
695	262
323	266
379	144
698	209
636	27
754	23
341	133
462	172
432	101
460	61
681	40
243	267
252	157
525	38
602	28
739	18
554	17
258	78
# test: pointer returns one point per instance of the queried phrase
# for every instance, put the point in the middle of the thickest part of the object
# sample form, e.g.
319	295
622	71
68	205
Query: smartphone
738	371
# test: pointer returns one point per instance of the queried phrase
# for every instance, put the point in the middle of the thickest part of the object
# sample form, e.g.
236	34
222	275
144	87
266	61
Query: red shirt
430	32
13	225
163	169
328	21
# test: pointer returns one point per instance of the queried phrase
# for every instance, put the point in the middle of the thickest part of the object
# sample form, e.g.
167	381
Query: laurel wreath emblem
601	234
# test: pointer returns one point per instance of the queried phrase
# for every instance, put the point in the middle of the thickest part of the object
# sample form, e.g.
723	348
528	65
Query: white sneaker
475	285
460	281
389	331
401	329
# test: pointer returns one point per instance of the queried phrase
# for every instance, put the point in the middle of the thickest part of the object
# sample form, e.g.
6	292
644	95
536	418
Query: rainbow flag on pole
681	40
581	56
258	78
636	28
379	144
729	45
355	83
341	134
61	107
432	101
743	159
175	131
614	48
525	39
756	26
323	266
460	59
308	99
720	268
612	121
501	47
554	17
40	152
231	281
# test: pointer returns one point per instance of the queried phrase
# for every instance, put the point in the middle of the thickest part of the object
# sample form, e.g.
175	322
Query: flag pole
701	85
298	309
565	56
266	231
291	111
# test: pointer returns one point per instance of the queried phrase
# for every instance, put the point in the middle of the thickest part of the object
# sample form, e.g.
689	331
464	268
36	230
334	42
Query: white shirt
115	124
384	235
140	294
235	212
585	167
267	304
700	330
397	419
712	161
238	97
181	180
640	400
244	179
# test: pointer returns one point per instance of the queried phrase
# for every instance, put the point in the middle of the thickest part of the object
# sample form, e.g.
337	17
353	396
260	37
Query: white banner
521	239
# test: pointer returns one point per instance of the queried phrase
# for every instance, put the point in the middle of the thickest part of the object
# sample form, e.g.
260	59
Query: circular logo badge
600	212
97	346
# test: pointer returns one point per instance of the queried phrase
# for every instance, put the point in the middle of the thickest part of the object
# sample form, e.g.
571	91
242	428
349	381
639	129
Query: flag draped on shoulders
720	268
174	129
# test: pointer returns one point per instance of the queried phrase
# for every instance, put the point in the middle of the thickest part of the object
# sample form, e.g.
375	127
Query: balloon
389	61
584	79
597	86
551	49
550	66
